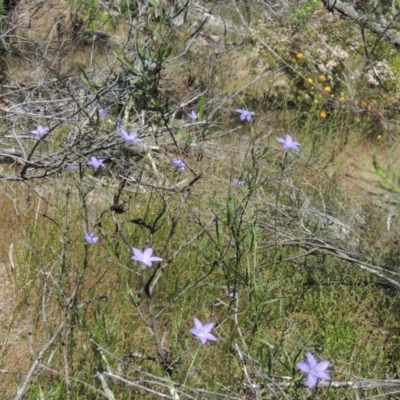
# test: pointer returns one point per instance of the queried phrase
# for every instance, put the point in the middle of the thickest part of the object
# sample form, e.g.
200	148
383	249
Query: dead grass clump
47	22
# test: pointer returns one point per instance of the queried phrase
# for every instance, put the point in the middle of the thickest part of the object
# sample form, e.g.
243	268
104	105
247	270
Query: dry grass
291	299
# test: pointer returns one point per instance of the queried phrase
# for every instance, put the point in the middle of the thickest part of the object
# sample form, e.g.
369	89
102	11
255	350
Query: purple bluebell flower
71	167
130	137
145	258
202	332
178	163
193	114
245	115
102	112
288	143
90	238
96	162
314	370
119	122
39	132
232	295
238	182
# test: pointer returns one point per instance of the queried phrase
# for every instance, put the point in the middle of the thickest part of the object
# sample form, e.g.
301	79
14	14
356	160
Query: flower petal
208	327
203	339
311	360
322	375
322	366
138	255
136	251
210	336
198	325
155	259
147	253
195	331
311	381
303	366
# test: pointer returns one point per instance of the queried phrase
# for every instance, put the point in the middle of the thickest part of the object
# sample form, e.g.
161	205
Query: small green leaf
197	30
200	107
85	78
127	65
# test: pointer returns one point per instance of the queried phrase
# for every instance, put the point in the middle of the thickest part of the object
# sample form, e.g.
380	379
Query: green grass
283	308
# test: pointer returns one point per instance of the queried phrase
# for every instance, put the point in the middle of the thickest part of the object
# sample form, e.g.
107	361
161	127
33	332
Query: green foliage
85	78
93	16
142	80
303	11
91	12
390	178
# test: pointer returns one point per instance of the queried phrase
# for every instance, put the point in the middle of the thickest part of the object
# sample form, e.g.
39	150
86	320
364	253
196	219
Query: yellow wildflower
342	99
327	89
379	137
323	78
323	114
299	56
309	80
